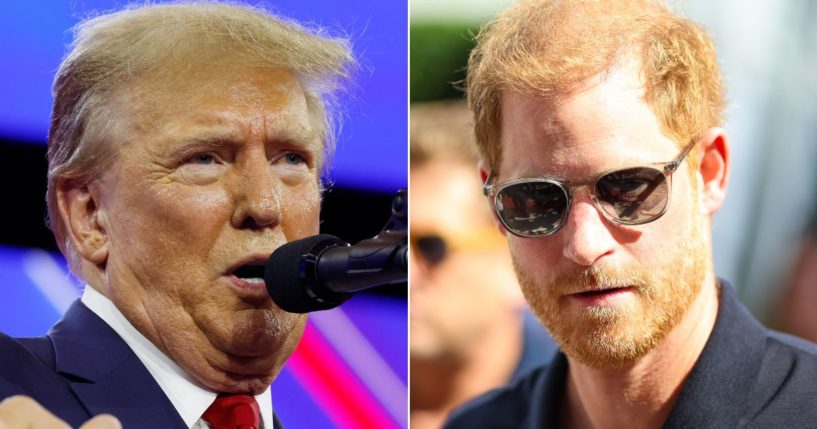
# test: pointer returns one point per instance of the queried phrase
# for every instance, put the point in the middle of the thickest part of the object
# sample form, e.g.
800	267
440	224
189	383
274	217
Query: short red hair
548	47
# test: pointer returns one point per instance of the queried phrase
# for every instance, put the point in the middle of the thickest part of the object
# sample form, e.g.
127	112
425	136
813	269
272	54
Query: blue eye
294	159
204	158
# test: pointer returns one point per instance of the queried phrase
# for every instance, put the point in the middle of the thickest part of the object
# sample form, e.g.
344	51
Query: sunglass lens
633	195
531	208
431	248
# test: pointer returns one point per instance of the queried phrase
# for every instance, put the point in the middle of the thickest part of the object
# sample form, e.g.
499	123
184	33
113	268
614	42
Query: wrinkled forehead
224	83
215	94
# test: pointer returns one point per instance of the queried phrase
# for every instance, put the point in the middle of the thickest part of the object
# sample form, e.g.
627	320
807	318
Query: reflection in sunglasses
630	194
538	206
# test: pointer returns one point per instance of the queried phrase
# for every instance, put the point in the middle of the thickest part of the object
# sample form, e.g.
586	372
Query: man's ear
83	219
484	172
714	165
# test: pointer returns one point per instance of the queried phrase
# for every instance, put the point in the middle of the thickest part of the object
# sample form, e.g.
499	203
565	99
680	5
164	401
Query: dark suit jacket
746	377
82	368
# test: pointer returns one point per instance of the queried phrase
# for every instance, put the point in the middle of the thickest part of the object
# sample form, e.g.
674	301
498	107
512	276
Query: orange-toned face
219	169
455	300
607	292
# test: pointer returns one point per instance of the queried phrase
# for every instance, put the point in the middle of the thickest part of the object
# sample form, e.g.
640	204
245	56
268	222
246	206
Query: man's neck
641	395
440	385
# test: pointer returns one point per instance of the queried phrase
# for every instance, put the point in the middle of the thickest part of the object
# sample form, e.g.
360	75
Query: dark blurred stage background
350	369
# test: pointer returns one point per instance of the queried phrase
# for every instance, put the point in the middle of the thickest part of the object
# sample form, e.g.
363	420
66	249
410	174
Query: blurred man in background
598	124
469	328
187	143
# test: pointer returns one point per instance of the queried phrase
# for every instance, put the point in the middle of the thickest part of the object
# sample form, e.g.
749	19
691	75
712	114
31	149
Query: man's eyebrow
205	141
213	139
295	136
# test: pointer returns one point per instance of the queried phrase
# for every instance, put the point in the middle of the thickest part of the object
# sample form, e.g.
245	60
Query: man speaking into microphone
186	144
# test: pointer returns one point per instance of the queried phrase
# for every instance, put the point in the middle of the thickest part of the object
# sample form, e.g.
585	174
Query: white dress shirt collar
189	398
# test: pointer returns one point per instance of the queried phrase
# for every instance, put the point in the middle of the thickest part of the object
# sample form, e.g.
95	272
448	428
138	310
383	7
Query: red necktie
233	412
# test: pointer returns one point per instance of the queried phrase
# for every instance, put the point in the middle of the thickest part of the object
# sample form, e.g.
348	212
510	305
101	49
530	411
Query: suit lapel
106	375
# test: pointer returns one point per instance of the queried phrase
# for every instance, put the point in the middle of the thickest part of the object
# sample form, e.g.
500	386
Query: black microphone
321	272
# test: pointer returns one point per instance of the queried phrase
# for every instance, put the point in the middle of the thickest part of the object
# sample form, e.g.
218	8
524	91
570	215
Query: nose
587	238
258	197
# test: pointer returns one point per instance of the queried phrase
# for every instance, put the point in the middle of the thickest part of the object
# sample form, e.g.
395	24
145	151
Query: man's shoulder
24	365
28	361
83	368
786	386
777	371
20	352
527	402
797	347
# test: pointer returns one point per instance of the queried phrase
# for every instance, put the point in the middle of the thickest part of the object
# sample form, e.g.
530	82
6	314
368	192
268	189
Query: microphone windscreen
291	278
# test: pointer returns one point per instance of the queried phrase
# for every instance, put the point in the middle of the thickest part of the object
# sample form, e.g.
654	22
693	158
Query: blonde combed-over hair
547	48
141	44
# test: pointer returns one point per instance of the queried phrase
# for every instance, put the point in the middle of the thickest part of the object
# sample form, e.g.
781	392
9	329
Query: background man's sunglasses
535	207
434	248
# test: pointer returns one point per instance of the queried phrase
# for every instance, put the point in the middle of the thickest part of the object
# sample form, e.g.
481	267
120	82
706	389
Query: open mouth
250	273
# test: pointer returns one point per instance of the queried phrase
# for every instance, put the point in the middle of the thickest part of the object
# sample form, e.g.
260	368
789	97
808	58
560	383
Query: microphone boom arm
387	252
323	271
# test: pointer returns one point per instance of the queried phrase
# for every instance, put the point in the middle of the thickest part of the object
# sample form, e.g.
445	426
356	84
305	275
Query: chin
610	351
261	333
238	384
609	337
256	344
243	374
